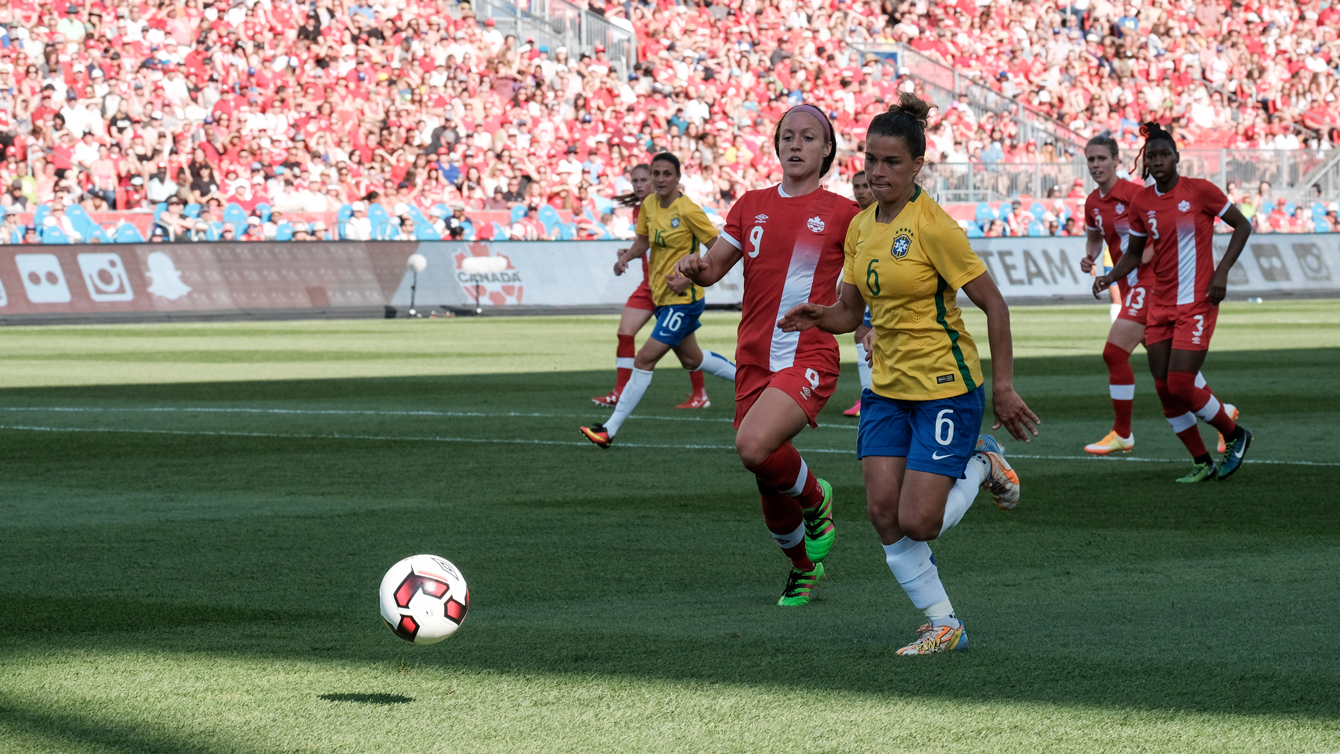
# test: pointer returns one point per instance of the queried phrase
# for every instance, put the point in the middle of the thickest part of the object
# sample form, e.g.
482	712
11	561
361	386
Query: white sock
941	614
862	368
717	365
1200	380
964	492
632	393
1113	311
914	567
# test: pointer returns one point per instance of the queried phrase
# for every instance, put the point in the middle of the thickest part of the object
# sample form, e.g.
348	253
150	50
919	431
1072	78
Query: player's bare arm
1242	230
1011	411
1134	257
1093	246
843	316
641	245
707	269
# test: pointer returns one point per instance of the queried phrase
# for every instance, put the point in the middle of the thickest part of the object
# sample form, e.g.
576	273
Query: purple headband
816	112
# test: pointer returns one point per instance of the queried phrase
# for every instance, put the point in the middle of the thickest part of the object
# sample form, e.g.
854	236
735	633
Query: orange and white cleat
1232	412
597	434
1111	444
1001	481
855	409
697	400
936	639
608	401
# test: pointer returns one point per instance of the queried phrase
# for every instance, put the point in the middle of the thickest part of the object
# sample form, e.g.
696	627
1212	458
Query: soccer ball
424	599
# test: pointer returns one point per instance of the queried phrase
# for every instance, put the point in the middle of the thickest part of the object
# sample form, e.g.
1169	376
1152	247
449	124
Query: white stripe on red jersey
1180	228
792	249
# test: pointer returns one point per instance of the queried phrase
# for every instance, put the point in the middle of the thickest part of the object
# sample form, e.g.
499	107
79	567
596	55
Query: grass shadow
383	699
23	615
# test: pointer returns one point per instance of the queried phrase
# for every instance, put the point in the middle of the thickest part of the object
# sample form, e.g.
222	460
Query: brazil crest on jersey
910	271
673	232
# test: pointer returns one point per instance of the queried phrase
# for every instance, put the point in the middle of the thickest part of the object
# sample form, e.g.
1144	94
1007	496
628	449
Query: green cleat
819	529
799	586
1201	472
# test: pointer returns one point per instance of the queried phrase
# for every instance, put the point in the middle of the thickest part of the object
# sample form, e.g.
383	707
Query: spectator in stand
358	227
175	225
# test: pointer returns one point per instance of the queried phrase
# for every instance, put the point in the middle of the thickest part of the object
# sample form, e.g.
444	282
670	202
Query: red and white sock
786	472
1121	386
786	523
1201	401
1183	421
623	362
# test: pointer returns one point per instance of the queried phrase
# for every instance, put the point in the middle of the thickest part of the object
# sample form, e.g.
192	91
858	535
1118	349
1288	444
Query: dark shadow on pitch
381	699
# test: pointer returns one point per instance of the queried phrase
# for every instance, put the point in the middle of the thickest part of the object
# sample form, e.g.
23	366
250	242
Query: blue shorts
934	436
675	322
866	321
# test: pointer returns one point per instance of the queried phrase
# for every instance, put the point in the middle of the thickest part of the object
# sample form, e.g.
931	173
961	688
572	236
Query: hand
1086	265
801	317
1218	289
690	265
620	266
868	342
1100	284
678	283
1013	414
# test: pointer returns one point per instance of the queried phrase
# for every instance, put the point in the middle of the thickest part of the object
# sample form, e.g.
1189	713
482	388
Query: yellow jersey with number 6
910	271
673	232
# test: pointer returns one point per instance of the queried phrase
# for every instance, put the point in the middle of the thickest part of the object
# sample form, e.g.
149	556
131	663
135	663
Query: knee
1181	385
753	451
643	362
1115	356
921	527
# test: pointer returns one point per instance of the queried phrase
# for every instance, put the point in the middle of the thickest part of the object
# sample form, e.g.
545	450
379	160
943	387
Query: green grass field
196	518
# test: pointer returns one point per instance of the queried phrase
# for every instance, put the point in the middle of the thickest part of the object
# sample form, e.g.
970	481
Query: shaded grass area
216	593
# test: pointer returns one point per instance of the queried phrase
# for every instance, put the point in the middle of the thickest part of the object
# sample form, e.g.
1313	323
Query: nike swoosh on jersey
937	456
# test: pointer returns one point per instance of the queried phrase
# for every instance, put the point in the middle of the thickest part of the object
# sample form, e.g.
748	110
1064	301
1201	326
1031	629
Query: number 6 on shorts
944	427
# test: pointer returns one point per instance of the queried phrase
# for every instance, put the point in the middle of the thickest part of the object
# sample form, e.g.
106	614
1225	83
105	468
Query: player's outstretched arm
707	269
1242	230
1011	411
1134	256
844	316
640	246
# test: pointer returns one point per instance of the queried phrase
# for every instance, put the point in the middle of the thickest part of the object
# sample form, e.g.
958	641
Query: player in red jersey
790	238
637	312
1108	223
1175	216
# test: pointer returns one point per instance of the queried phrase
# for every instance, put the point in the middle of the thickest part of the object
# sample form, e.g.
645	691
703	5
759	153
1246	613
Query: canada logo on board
496	288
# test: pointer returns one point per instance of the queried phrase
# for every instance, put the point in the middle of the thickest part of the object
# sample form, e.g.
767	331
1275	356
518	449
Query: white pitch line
493	441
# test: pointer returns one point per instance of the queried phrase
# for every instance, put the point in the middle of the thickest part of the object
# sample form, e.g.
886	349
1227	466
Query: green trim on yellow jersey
940	311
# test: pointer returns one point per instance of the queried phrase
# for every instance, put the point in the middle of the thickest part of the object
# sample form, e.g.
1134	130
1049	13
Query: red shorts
1190	326
1134	304
641	298
809	387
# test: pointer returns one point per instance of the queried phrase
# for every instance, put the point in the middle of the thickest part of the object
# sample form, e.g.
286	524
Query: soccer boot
1234	452
1201	472
597	434
933	639
855	409
800	585
1001	481
1232	412
697	400
607	401
819	529
1111	444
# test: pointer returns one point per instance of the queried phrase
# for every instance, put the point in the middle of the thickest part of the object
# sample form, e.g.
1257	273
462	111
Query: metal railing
978	182
558	23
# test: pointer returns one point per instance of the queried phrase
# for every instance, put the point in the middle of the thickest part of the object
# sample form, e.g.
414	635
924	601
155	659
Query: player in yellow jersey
918	441
669	227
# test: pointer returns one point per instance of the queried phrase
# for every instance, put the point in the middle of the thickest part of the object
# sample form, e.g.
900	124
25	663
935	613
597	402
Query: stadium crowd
346	119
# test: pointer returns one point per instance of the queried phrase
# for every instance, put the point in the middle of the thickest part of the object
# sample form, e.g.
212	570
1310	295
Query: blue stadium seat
1035	229
284	231
54	235
378	214
469	229
518	212
159	209
343	214
974	230
603	205
235	216
83	224
426	232
1037	210
41	213
96	231
128	233
1319	226
192	210
263	211
215	231
567	232
1318	210
548	217
499	232
985	213
1290	208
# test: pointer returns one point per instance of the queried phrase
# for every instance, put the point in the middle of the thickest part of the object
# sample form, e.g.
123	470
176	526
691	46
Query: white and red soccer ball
424	599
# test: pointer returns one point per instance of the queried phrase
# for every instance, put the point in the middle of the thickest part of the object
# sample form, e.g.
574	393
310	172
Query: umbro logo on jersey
1096	212
1184	205
815	224
1120	208
760	218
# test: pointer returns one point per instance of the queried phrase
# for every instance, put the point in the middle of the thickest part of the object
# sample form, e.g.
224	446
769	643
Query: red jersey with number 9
1180	227
793	253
